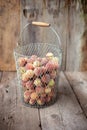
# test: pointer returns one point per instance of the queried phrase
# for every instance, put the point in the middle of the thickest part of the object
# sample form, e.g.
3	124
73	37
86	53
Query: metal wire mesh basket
38	65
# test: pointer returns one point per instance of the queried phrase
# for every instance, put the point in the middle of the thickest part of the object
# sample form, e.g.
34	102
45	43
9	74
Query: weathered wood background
66	16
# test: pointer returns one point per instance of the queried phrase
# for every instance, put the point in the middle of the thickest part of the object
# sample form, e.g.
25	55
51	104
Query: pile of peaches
38	78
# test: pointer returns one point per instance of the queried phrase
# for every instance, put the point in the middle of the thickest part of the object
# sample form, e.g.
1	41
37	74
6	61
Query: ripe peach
29	85
50	66
25	77
36	64
44	61
49	54
40	101
32	101
51	83
53	74
39	90
45	78
29	66
30	73
26	96
48	99
34	96
37	82
38	71
47	90
22	61
22	70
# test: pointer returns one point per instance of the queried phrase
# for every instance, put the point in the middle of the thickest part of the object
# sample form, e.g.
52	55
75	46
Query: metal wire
39	49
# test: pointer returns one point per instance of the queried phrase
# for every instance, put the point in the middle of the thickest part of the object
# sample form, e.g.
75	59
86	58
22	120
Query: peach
53	74
45	78
49	54
38	71
48	99
29	85
51	83
32	101
29	66
37	82
50	66
26	96
22	61
22	70
34	96
40	102
40	90
47	90
30	73
44	61
36	64
25	77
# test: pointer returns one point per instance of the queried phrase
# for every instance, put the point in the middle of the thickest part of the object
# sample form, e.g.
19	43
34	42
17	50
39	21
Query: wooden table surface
68	113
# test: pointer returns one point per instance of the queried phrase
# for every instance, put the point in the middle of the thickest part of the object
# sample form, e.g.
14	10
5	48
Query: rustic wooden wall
66	16
9	28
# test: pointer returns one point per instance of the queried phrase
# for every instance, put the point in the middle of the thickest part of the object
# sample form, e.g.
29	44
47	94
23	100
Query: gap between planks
75	94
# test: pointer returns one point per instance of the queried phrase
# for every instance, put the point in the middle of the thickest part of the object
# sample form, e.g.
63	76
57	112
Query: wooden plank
65	113
13	115
74	42
52	12
78	81
9	30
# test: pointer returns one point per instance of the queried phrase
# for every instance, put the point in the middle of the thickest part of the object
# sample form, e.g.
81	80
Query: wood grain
66	113
78	82
75	31
9	30
13	115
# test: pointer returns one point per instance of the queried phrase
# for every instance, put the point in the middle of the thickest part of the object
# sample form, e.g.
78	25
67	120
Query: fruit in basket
50	66
49	54
23	84
37	82
43	68
25	77
26	96
32	101
48	99
22	70
53	74
51	94
38	71
43	95
36	64
34	96
44	61
47	90
29	66
29	85
30	73
51	83
22	61
40	90
45	78
41	101
56	62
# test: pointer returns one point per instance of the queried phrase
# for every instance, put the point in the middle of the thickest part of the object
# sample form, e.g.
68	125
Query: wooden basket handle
41	24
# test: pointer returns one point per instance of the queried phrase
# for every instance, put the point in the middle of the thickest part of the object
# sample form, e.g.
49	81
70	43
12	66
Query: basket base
40	106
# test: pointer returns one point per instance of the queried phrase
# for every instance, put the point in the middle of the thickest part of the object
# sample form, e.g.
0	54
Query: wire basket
38	65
